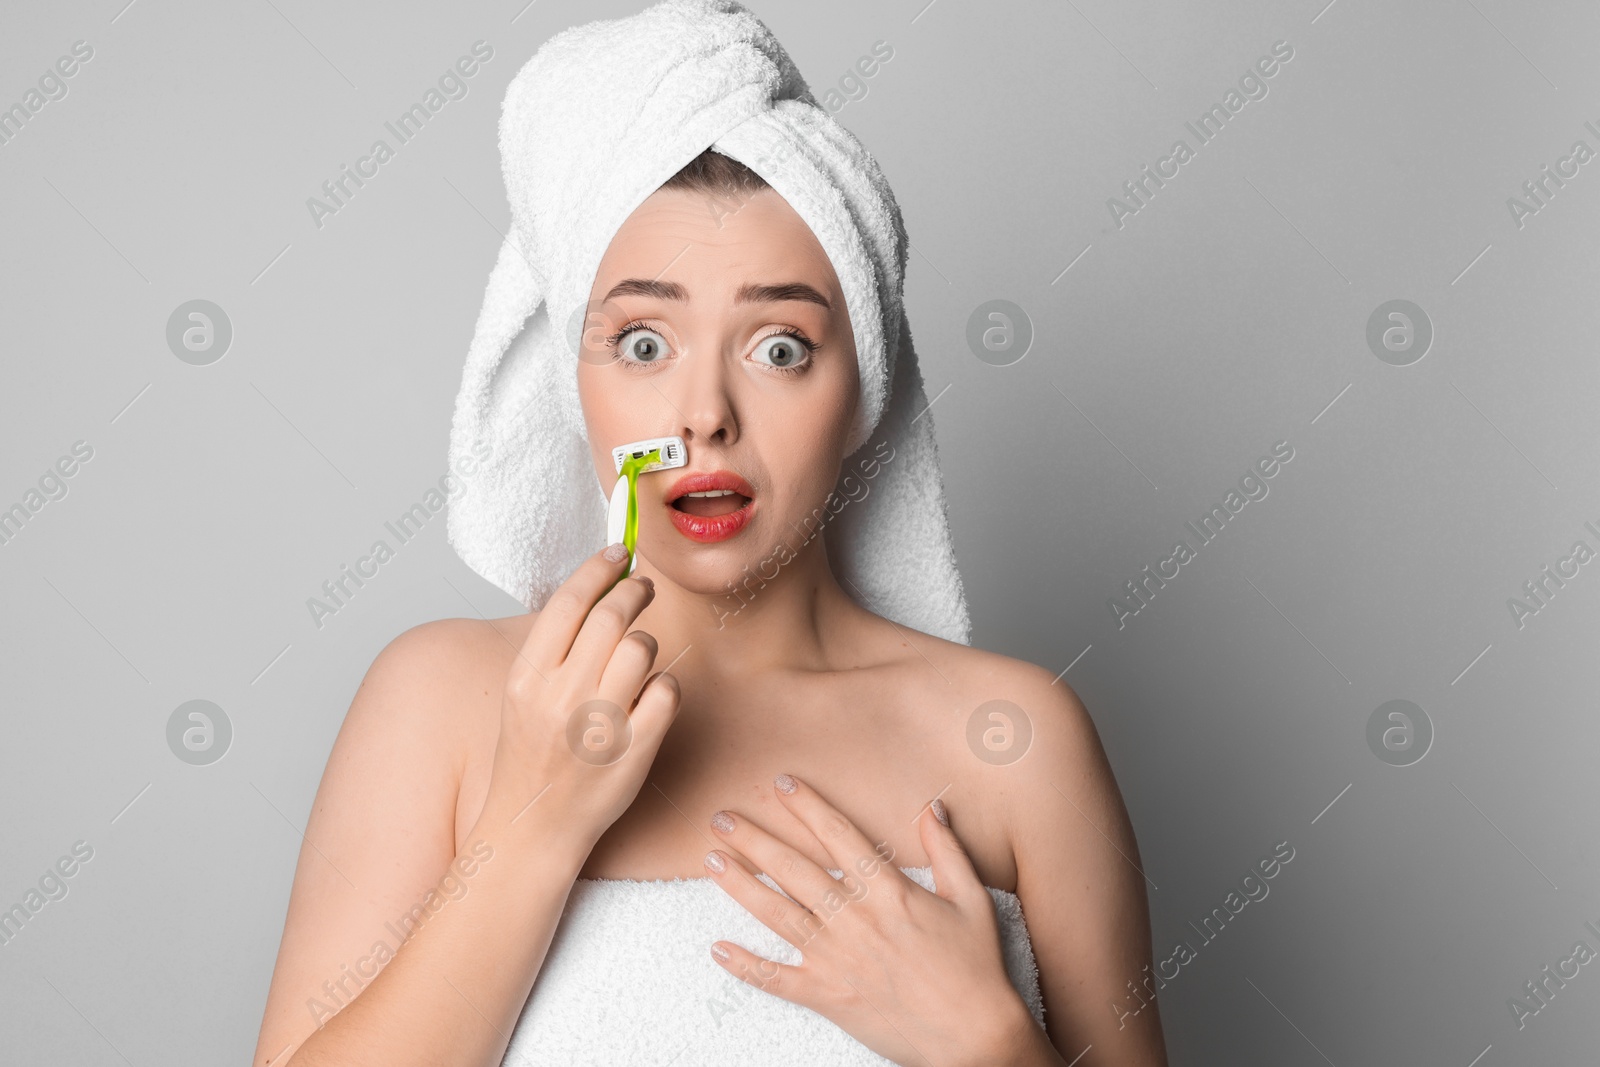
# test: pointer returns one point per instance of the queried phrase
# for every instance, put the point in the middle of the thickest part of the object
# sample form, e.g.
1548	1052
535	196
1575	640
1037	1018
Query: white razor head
674	453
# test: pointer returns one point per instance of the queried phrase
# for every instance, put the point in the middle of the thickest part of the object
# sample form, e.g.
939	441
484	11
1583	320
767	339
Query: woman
536	781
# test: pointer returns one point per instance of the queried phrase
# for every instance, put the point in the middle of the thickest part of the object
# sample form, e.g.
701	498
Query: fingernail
715	862
720	953
939	812
615	553
645	578
784	783
722	822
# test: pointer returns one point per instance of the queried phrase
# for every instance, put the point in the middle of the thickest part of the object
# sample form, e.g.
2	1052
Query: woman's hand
916	976
580	724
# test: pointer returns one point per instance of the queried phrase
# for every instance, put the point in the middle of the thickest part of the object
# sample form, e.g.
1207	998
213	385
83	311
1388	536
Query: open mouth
712	506
710	503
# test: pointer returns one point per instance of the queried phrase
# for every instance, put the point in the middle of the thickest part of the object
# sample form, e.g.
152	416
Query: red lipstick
714	523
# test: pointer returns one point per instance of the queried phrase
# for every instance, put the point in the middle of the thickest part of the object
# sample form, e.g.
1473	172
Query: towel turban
595	122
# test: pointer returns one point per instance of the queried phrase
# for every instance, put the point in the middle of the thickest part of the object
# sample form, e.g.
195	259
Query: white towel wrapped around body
629	979
594	123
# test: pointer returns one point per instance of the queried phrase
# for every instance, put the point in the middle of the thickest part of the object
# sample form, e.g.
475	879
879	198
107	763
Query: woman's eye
781	350
642	346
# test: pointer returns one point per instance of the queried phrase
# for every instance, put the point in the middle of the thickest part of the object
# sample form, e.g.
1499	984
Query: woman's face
701	323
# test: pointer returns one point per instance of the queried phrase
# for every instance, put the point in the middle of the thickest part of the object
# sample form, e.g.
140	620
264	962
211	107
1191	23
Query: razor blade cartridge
673	453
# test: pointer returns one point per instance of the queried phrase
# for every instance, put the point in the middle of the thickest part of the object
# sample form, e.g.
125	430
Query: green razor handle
631	467
632	460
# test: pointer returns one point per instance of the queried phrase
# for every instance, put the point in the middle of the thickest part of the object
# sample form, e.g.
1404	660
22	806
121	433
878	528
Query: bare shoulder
443	677
444	650
451	653
1019	743
1039	727
441	657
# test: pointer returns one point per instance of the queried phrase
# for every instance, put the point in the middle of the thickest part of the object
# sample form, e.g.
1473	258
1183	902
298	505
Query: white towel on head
590	127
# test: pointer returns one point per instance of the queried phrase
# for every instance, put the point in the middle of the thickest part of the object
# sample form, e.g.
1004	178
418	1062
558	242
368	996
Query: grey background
1228	314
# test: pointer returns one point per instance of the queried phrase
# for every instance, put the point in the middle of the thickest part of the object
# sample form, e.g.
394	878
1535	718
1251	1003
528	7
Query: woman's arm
380	857
379	844
1083	896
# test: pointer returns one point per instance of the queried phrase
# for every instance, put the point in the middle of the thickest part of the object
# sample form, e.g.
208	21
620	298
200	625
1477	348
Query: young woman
464	815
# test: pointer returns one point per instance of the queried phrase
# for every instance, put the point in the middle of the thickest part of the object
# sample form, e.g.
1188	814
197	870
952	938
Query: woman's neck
801	619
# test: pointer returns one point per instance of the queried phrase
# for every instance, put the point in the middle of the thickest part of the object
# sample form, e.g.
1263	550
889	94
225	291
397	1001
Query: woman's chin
734	566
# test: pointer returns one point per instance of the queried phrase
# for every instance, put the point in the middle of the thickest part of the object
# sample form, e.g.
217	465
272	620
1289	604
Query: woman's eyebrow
747	294
772	294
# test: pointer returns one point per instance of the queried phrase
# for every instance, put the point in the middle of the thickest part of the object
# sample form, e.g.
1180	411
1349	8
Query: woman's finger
852	851
954	876
780	979
652	717
625	673
795	872
771	908
556	625
608	621
656	710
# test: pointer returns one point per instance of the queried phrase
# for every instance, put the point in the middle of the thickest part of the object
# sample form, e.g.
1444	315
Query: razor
632	460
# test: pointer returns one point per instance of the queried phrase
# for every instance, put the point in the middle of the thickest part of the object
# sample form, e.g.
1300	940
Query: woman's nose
702	395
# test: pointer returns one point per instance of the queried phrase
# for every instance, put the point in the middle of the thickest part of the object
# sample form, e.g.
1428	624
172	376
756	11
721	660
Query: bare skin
870	716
